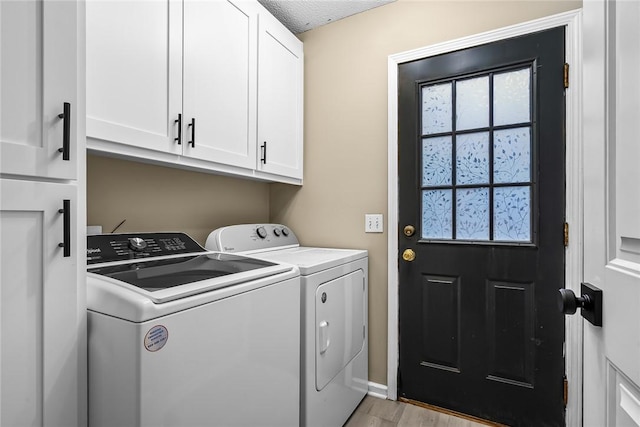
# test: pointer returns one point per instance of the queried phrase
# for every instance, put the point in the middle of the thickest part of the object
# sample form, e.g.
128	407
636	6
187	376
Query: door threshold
450	412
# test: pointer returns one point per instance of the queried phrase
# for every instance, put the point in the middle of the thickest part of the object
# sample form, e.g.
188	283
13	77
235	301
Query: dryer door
339	325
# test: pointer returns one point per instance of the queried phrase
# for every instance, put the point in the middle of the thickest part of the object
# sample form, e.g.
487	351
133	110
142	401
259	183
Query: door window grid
477	182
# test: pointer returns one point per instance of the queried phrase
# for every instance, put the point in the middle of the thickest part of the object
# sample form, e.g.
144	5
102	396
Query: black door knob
590	302
568	302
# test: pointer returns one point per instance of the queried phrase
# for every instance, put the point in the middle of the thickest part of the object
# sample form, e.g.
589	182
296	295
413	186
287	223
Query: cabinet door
134	73
38	47
280	67
220	81
38	306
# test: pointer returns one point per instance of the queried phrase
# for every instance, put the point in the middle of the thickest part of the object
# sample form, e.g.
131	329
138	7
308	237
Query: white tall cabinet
42	255
195	84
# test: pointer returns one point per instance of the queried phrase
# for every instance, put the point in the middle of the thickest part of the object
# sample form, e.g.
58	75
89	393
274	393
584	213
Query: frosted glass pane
472	214
436	109
472	103
511	97
436	214
472	158
436	161
512	155
512	213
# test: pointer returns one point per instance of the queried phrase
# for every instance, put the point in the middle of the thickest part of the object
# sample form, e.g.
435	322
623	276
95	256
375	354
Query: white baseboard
377	390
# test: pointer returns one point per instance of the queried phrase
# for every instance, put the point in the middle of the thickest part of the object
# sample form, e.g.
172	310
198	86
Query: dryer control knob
262	232
276	232
285	232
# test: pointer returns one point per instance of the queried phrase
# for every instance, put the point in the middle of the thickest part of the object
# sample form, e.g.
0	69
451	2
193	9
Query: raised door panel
38	51
280	66
38	306
134	73
220	81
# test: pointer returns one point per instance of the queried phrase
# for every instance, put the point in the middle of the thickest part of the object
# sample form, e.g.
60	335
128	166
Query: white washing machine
180	336
334	330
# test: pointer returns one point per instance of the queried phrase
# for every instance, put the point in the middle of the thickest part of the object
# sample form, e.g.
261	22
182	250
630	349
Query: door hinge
566	234
566	75
565	391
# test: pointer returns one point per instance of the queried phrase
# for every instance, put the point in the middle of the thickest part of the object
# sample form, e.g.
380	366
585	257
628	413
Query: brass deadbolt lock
409	230
408	255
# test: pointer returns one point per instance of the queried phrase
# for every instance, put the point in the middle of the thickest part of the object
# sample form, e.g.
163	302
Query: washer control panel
121	247
250	237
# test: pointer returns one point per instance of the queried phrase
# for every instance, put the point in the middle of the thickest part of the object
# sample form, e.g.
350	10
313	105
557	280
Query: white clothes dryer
180	336
334	329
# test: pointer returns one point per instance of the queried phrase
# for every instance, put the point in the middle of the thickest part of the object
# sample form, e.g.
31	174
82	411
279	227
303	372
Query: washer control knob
285	232
276	232
262	232
137	244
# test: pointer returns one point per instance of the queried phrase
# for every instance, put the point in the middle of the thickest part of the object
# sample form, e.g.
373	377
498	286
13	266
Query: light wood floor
374	412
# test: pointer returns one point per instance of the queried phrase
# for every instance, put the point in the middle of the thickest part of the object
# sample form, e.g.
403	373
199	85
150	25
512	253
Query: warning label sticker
156	338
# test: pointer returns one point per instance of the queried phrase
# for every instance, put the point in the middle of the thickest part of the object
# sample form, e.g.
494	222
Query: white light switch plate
373	223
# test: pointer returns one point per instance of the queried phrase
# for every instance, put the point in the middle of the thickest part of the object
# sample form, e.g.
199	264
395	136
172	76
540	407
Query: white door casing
572	21
612	210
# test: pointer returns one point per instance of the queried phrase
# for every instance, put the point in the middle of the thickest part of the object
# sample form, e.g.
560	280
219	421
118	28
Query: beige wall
346	126
345	146
155	198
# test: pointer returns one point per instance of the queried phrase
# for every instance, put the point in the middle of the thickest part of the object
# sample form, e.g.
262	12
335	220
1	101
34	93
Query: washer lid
311	260
168	278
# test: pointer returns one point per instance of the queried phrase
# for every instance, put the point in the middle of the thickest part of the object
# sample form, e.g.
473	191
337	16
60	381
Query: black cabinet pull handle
66	130
263	159
179	122
193	133
66	219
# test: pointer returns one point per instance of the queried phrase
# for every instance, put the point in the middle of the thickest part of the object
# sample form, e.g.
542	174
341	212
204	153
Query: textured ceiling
303	15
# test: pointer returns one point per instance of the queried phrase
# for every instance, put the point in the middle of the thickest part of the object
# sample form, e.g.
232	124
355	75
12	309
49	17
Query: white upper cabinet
38	55
176	82
134	72
280	68
220	81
